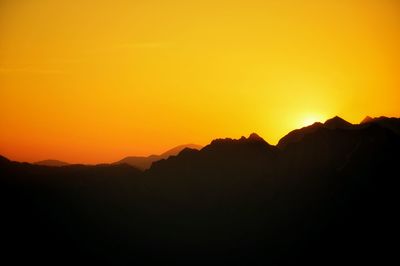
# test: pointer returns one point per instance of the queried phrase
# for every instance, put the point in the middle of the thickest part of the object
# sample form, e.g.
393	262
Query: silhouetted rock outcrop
367	119
337	123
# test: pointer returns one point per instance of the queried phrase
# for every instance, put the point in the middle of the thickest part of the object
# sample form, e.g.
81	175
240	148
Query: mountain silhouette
297	134
4	160
391	123
337	123
52	163
367	119
326	194
144	163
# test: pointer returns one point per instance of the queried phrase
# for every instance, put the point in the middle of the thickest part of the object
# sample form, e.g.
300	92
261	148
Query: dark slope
328	198
3	160
296	135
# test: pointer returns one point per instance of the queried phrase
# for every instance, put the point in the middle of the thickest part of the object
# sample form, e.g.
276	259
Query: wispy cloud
144	45
130	46
30	70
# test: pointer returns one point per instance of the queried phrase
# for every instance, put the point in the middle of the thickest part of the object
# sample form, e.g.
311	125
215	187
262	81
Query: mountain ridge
145	162
330	194
52	162
336	122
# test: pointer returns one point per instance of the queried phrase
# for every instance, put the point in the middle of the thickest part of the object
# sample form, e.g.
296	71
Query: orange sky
94	81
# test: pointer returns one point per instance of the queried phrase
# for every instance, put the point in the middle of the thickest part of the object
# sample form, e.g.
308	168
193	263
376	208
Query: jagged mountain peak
367	119
255	137
337	122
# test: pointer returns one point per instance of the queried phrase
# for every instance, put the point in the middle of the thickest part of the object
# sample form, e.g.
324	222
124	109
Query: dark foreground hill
328	197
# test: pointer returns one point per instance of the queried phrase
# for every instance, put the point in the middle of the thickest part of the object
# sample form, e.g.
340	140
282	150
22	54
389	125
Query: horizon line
368	118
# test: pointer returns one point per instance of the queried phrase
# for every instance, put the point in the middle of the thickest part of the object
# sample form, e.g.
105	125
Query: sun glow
311	119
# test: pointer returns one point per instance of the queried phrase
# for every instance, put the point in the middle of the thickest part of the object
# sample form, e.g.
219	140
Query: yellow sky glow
96	80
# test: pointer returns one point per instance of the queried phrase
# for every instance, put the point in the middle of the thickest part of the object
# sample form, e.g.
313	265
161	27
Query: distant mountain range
327	194
144	163
51	163
140	162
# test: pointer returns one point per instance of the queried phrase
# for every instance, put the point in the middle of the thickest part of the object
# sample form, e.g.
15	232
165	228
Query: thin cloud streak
128	46
31	70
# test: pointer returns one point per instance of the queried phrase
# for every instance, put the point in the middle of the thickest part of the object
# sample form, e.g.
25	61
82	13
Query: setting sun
311	119
199	132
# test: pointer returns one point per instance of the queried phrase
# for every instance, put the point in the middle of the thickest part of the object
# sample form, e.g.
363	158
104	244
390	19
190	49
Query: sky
93	81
